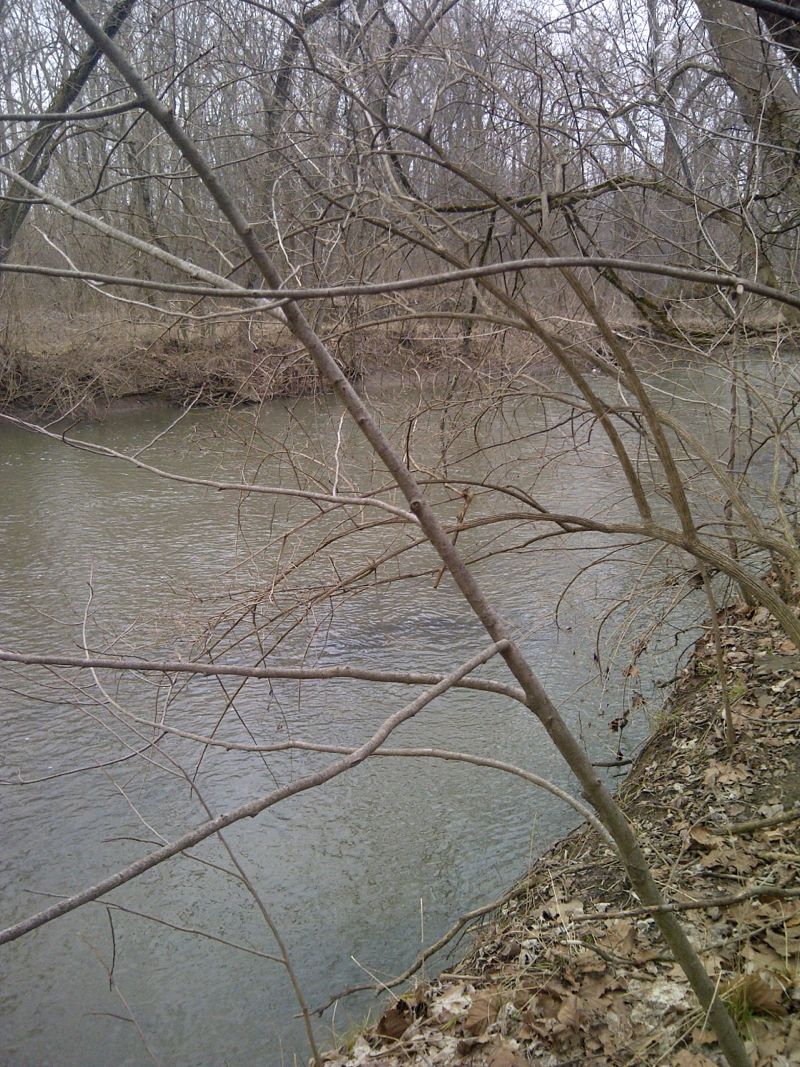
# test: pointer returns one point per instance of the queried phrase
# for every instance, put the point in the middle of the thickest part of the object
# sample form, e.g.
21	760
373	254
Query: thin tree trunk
47	134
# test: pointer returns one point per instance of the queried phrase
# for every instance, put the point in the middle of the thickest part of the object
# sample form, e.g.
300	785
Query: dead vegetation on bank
572	971
59	361
62	363
86	371
87	377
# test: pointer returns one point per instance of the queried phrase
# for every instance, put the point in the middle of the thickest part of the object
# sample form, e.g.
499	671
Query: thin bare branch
251	808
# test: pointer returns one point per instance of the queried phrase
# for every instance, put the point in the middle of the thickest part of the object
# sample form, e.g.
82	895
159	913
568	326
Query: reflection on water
351	873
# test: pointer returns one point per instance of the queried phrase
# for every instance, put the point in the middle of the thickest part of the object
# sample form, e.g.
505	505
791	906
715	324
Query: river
357	875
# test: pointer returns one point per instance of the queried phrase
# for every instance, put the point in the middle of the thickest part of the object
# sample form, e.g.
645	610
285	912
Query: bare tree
49	128
460	169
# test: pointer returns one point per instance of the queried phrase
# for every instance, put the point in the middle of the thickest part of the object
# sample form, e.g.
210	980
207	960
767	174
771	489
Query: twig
696	905
251	808
759	824
425	955
236	670
207	483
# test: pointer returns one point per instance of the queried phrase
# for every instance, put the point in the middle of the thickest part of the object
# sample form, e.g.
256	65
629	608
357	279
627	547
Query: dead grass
76	363
92	367
60	360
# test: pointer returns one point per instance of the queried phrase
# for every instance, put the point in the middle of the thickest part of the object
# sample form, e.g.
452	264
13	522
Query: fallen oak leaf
505	1056
700	836
723	774
396	1020
542	1028
590	963
703	1037
784	941
483	1011
689	1058
454	1002
771	1045
570	1014
742	862
620	937
548	1005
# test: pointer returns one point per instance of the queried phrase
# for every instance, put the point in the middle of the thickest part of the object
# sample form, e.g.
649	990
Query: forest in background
373	142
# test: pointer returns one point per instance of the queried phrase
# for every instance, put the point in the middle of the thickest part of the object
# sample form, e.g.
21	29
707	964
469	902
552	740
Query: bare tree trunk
768	103
45	139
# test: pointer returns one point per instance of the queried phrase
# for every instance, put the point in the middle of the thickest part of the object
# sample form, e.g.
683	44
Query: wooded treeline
373	141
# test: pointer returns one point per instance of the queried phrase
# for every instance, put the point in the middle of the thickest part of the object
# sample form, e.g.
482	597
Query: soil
571	970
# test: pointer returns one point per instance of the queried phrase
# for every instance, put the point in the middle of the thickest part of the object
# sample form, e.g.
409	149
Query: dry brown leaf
769	1043
547	1005
755	994
737	657
504	1056
793	1040
590	963
700	836
723	774
689	1058
521	998
570	1013
647	955
765	996
703	1037
596	989
592	1007
786	942
565	909
396	1020
605	1039
454	1002
509	951
542	1028
620	937
483	1011
762	958
743	862
715	858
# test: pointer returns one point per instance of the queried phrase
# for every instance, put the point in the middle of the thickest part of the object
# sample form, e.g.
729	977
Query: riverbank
91	382
77	365
220	374
571	970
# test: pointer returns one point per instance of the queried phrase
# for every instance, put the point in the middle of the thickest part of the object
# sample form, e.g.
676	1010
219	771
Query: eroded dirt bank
571	970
